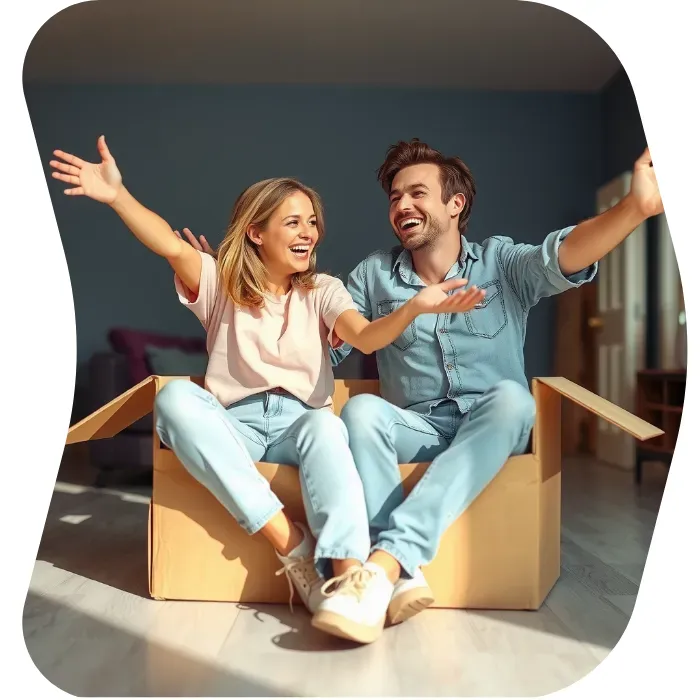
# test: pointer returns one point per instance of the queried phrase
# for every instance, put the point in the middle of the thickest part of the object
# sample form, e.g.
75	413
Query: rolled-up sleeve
533	271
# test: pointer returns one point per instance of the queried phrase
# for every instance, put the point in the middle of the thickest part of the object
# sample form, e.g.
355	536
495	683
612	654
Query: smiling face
287	240
417	213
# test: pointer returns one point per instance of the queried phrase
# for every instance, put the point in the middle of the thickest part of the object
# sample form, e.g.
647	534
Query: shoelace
353	582
306	568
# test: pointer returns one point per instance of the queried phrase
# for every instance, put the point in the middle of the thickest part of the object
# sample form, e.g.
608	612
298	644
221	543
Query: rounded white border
657	44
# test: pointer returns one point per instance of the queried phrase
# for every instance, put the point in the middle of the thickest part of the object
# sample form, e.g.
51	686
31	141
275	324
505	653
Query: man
453	387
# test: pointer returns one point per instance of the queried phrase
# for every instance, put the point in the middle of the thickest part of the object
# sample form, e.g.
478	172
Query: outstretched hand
435	299
99	181
644	189
201	245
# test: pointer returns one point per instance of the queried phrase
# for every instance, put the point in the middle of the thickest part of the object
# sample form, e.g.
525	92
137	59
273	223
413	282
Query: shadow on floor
85	656
102	536
99	534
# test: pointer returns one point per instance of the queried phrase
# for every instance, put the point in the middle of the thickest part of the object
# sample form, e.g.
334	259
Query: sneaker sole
340	626
408	604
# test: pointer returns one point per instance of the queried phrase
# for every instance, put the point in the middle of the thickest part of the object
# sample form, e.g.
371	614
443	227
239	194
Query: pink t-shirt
282	345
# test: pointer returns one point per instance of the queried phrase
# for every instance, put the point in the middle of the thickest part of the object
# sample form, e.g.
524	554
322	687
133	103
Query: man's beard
424	240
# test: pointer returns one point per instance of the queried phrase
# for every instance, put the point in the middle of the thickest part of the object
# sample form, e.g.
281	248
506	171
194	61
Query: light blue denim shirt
457	357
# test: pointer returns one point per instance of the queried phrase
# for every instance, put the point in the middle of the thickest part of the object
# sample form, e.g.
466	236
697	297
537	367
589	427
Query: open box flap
117	415
607	410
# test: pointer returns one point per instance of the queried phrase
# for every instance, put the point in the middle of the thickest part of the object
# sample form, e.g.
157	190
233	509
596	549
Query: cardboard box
502	553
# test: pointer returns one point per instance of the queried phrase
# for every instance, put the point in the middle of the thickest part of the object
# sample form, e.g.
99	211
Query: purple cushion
132	343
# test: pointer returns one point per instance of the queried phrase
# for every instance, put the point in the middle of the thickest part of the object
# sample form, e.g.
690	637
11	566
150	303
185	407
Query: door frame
621	338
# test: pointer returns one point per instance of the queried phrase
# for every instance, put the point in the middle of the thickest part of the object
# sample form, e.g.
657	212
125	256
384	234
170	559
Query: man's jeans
466	453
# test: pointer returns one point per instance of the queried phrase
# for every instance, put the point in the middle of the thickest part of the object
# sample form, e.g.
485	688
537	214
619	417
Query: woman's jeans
218	446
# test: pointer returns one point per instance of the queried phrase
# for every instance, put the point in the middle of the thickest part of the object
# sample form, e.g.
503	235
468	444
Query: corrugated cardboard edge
547	453
137	402
160	382
115	416
607	410
150	552
546	444
155	587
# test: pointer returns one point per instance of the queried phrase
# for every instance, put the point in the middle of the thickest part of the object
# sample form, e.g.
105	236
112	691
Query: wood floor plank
588	616
593	572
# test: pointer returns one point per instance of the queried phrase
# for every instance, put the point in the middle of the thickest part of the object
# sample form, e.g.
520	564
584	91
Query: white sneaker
410	597
356	608
301	572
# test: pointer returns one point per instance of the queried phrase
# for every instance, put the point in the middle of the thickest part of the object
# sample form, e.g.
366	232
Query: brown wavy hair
242	274
455	176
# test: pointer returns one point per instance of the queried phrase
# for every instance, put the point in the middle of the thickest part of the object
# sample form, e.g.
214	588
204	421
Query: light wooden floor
91	629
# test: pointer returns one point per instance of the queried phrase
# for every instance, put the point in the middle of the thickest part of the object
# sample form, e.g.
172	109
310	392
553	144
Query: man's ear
457	204
254	235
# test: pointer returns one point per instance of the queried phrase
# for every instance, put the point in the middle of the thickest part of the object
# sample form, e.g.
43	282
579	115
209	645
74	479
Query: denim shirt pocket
489	318
409	336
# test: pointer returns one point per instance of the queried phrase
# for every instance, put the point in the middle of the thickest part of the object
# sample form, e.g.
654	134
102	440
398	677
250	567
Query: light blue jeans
218	446
466	452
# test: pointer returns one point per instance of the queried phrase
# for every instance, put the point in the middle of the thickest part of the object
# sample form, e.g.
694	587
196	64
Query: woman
268	386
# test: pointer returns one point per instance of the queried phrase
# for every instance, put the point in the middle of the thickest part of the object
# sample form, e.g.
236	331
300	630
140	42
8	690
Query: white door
622	320
671	313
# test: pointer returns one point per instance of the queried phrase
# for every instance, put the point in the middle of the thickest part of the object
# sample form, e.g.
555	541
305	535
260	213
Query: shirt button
450	366
443	330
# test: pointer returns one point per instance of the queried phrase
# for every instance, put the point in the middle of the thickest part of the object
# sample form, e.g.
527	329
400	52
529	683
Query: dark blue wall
623	134
187	151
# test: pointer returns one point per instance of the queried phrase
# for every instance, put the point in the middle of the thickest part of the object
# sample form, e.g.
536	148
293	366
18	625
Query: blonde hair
242	274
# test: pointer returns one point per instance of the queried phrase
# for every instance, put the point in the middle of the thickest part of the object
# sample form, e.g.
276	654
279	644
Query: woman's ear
254	235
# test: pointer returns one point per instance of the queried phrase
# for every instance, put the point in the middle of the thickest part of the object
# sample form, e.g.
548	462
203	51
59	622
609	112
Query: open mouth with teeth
301	251
410	223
